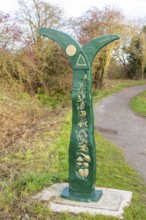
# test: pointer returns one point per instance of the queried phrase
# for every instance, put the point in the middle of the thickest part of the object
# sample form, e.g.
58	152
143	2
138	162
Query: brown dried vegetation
22	119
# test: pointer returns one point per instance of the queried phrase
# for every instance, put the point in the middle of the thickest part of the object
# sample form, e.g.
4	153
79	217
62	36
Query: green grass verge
114	86
46	162
138	104
52	167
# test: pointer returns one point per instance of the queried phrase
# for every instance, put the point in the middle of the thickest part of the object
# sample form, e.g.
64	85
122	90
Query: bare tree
143	51
95	23
35	14
135	53
10	33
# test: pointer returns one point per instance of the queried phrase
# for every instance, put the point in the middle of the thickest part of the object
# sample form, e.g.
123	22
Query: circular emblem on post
71	50
89	49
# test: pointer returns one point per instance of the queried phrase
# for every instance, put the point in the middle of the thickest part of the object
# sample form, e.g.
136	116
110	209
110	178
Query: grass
138	104
112	171
113	86
41	159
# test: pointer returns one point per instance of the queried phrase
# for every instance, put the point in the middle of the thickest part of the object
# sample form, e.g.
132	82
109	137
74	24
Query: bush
43	65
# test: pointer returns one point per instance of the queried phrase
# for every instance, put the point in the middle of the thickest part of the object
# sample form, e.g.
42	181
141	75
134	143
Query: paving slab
112	202
126	129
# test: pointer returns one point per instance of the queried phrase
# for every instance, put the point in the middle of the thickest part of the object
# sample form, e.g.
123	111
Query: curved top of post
80	57
92	48
68	44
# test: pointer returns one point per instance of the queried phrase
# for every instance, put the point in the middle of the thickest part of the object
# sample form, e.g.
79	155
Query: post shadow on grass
82	149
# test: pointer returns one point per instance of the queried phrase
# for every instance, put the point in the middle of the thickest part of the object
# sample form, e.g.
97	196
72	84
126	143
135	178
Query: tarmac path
124	128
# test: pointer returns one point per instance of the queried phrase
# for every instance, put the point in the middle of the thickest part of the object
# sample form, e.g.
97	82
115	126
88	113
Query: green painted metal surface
82	150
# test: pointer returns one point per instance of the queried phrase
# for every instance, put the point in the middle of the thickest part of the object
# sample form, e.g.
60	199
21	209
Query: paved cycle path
118	123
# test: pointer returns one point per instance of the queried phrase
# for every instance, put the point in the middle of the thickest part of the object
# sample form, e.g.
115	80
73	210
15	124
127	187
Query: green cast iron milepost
82	155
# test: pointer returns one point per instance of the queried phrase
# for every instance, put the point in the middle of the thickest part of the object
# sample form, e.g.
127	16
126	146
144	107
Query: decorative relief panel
82	157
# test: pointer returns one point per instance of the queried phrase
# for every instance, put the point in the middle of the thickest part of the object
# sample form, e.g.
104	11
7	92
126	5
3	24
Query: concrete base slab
112	202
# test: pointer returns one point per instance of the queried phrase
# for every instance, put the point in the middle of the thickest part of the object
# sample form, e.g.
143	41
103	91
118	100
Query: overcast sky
131	8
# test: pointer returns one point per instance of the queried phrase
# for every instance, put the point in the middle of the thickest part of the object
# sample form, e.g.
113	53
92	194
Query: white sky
131	8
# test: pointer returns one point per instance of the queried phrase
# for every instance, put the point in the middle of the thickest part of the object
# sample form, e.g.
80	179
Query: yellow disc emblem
71	50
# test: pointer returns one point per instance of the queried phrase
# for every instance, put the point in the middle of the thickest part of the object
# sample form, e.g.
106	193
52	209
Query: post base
112	202
94	197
